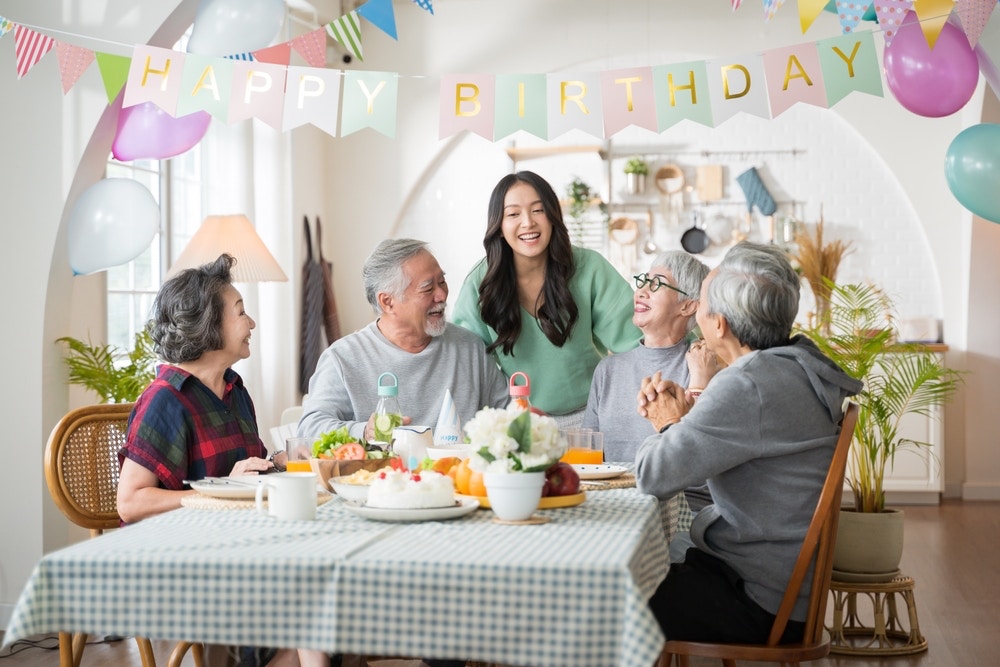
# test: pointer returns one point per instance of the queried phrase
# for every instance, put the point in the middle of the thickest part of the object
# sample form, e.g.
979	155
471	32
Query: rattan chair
81	471
817	547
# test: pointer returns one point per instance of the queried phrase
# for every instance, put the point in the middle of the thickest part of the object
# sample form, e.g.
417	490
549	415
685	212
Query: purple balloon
147	131
930	82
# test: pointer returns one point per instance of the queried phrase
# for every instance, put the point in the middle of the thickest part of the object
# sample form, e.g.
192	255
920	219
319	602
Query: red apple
563	479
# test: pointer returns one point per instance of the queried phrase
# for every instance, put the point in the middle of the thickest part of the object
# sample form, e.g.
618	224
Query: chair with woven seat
81	471
817	548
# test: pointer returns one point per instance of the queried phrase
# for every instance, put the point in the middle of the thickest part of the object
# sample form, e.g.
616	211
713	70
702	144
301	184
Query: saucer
864	577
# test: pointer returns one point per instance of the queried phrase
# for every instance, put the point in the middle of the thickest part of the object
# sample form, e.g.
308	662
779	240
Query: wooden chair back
81	464
817	548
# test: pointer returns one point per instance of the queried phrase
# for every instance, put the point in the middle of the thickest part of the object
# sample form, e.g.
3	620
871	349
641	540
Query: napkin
449	428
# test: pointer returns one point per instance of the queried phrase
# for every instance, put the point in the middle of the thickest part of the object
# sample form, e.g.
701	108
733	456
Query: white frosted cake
394	489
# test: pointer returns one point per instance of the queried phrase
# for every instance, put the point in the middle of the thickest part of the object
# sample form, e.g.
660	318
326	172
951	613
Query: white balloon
112	223
229	27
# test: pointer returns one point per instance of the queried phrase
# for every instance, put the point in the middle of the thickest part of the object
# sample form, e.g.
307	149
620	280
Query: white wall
374	186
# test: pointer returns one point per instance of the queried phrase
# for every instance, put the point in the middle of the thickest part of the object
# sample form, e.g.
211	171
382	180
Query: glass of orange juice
299	451
584	445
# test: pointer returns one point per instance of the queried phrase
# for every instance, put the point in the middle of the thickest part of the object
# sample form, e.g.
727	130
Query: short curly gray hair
187	313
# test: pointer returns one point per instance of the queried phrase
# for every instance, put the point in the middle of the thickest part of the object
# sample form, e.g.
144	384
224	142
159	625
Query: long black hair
498	302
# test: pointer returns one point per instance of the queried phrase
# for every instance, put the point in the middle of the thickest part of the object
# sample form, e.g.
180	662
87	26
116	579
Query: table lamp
233	234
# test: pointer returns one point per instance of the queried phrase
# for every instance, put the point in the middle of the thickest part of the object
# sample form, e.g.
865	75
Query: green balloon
972	169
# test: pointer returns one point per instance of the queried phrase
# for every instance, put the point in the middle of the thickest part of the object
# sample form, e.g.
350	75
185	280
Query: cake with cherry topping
403	489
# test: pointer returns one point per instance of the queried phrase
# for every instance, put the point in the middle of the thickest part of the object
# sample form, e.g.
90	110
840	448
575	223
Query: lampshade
233	234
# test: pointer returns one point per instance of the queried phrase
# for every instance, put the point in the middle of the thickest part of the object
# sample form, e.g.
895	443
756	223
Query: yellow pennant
932	14
808	11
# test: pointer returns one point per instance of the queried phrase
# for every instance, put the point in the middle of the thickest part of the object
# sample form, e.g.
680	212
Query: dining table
569	589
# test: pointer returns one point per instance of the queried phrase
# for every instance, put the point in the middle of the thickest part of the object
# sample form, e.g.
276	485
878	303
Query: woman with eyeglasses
541	305
663	307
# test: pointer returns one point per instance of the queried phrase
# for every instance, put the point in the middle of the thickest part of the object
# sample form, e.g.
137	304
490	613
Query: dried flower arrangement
818	262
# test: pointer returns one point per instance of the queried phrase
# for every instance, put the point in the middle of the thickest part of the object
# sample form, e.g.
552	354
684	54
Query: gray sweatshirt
762	434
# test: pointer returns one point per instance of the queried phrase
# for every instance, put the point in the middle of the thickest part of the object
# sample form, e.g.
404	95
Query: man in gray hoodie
762	434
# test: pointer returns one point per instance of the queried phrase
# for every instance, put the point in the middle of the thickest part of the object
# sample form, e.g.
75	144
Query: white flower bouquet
513	440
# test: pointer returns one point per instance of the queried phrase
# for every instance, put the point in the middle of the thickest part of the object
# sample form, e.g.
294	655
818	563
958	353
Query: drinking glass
584	445
299	451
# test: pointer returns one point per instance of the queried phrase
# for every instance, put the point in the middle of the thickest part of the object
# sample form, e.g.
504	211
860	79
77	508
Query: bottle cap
388	389
520	390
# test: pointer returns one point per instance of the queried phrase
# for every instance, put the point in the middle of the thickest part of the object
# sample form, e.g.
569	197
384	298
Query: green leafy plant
636	165
899	379
580	197
97	367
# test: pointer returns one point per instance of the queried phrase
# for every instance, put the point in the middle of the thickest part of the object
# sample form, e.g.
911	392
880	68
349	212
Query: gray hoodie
762	434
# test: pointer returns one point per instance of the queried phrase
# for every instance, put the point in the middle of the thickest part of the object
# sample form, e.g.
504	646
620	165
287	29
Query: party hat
449	428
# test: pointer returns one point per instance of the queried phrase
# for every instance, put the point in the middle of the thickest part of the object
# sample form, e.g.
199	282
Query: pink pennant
890	15
312	47
850	13
30	47
736	4
73	62
974	15
279	54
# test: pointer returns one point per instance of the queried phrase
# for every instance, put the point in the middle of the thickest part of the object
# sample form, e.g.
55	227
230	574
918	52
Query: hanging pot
695	240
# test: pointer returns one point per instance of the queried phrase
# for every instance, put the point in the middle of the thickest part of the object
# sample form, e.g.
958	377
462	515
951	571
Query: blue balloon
869	15
972	169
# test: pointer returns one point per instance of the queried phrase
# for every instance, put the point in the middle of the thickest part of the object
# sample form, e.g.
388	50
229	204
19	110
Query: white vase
514	496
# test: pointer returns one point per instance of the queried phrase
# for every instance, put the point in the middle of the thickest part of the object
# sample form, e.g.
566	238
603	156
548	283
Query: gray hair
757	291
383	270
688	273
187	312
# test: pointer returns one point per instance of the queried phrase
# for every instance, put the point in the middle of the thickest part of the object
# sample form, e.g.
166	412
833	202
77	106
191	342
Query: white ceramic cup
412	441
291	496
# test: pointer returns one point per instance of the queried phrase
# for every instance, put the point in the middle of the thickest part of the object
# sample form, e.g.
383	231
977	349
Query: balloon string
71	34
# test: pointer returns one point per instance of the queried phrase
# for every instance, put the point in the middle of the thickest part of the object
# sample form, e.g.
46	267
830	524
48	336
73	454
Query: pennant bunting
370	100
520	105
890	15
850	63
682	94
7	25
241	56
312	47
30	47
628	99
258	91
932	14
974	14
206	85
154	75
794	75
736	4
808	11
771	8
114	72
312	96
737	85
73	62
381	15
574	103
467	102
279	54
425	4
850	14
347	31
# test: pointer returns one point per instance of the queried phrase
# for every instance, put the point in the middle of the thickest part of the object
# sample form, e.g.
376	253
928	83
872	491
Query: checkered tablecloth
568	593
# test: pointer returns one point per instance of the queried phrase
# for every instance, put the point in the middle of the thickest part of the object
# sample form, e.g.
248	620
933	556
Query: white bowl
352	492
461	450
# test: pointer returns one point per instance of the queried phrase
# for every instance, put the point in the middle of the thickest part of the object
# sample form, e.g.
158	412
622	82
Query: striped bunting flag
241	56
30	47
425	4
6	25
347	31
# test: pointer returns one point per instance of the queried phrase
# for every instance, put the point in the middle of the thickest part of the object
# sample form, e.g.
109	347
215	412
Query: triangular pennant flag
974	14
932	14
890	15
380	13
247	56
771	8
312	47
425	4
73	62
6	25
850	14
114	72
808	11
736	4
30	47
347	31
279	54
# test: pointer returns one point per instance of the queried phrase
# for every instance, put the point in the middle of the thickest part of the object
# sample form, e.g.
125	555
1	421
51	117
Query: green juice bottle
387	413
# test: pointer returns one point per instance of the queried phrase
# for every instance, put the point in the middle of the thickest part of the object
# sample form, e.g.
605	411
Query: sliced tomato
349	451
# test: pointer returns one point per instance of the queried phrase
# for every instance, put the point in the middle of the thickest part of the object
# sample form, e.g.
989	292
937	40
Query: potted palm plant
899	380
112	375
636	170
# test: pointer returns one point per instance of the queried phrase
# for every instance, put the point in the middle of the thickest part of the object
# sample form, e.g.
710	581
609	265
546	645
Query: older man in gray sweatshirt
762	434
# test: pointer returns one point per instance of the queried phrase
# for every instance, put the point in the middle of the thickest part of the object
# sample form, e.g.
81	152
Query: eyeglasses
655	283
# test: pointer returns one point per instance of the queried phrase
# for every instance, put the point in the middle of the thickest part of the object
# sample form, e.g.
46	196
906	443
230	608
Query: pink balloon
930	82
147	131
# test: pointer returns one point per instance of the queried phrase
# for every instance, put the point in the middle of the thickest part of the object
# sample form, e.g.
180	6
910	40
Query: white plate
223	487
598	471
461	507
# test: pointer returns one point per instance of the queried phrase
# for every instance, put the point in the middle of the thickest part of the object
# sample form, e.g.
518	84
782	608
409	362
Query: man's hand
660	401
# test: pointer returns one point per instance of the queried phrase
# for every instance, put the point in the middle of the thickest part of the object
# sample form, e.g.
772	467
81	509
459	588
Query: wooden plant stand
886	635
